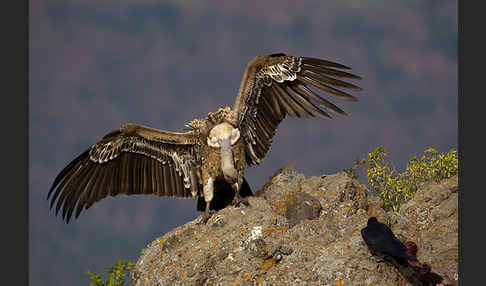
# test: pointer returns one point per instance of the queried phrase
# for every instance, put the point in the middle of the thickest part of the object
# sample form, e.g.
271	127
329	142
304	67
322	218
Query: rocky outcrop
304	231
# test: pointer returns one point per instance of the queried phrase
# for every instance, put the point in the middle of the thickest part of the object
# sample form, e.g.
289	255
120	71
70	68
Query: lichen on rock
304	231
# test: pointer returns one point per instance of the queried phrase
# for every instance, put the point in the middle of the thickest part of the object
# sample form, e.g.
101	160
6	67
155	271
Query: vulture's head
221	134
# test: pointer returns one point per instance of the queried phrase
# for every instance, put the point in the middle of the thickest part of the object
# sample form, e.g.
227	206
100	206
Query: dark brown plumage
141	160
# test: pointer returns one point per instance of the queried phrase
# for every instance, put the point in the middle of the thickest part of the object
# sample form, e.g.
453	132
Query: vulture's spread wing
276	85
131	160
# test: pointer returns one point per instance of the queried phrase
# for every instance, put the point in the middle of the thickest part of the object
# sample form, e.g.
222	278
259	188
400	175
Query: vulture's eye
213	142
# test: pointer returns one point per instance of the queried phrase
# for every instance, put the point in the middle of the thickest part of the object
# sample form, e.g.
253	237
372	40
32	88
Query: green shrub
396	188
116	274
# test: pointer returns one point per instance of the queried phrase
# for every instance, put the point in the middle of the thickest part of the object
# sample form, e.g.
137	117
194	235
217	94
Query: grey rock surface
304	231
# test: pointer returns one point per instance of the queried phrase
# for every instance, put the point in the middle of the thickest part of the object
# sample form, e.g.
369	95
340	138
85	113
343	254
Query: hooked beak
227	163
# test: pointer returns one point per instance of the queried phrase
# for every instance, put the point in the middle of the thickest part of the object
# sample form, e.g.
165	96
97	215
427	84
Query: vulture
215	150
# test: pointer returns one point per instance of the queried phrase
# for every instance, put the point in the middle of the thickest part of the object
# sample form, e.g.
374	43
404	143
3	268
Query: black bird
383	244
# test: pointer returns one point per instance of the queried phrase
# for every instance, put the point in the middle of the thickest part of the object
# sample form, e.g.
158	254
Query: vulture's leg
208	190
237	200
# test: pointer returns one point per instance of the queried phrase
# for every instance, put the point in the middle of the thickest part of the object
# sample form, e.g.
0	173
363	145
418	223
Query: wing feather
93	185
275	104
263	127
64	177
168	180
276	85
144	176
153	178
326	63
71	200
268	110
293	102
173	177
328	71
310	106
326	79
177	185
100	184
283	101
335	92
69	185
304	90
131	160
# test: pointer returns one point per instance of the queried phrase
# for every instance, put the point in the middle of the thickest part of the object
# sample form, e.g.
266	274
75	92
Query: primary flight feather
137	159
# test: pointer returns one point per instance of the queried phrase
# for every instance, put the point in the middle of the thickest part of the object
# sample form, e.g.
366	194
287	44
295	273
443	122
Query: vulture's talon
238	201
204	219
